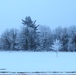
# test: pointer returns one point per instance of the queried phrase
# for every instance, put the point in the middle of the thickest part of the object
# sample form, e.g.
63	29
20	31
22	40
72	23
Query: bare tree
13	38
5	40
9	39
45	37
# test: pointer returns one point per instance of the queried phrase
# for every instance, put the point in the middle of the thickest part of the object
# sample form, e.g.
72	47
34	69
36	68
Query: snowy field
37	61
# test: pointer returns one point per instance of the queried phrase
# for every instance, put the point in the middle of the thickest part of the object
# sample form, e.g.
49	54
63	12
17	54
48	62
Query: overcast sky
52	13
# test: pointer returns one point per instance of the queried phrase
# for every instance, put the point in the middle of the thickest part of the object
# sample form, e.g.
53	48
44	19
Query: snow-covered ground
37	61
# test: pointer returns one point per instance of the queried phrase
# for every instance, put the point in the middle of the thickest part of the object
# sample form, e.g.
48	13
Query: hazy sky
52	13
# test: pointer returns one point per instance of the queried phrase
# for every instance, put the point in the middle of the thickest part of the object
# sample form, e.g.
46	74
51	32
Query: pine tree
30	34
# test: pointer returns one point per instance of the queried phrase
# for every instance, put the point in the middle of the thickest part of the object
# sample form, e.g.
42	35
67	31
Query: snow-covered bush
56	46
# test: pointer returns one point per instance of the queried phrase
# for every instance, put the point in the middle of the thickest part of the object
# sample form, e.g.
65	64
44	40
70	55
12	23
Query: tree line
33	37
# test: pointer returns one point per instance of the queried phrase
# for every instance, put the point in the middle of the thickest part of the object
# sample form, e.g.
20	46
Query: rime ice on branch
56	46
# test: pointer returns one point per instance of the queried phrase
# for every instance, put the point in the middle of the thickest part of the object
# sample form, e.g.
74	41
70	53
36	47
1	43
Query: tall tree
30	33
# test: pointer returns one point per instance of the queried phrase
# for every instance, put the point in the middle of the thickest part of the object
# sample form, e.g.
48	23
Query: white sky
47	12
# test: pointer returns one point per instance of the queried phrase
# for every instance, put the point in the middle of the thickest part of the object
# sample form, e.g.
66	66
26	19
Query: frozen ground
38	61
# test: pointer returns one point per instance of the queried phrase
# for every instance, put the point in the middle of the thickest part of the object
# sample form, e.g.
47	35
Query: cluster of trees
33	37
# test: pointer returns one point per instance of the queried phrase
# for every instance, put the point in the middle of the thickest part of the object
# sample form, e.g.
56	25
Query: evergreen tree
29	34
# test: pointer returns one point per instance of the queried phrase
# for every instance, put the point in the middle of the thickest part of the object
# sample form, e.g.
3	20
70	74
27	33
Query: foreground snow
37	61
